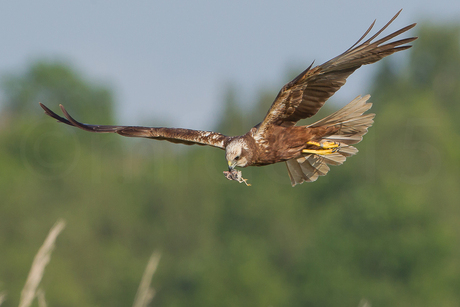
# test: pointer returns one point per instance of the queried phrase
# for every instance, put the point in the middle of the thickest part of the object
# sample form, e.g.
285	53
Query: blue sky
170	61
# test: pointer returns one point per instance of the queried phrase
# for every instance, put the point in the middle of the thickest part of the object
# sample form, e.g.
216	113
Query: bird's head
237	153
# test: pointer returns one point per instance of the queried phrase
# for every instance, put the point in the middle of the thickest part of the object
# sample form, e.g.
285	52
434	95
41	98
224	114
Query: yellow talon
324	144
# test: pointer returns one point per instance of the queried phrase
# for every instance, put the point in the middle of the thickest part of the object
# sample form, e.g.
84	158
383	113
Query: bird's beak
230	166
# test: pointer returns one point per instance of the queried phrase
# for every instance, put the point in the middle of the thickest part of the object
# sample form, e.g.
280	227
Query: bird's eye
237	157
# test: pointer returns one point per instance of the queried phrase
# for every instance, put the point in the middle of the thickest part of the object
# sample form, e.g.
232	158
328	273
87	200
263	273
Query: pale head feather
236	153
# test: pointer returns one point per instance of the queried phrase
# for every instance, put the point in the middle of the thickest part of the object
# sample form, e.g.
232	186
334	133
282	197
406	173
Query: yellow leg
324	144
321	151
326	148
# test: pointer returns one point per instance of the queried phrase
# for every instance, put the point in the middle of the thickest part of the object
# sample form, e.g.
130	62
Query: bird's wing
307	93
174	135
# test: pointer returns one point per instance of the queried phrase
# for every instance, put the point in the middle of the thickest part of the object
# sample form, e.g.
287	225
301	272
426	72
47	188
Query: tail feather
353	125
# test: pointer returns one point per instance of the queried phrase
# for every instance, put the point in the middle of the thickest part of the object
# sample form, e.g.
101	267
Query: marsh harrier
306	150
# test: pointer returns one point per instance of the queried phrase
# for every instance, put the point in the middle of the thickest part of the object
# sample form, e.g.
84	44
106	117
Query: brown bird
307	150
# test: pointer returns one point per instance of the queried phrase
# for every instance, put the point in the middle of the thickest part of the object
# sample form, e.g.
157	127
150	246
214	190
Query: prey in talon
233	174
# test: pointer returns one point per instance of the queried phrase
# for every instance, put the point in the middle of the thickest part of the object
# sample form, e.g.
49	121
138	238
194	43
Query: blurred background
385	226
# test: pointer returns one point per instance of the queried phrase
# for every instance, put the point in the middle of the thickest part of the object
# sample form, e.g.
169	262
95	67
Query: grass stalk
42	258
2	297
145	292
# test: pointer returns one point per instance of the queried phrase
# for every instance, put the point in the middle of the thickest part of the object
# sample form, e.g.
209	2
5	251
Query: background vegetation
385	226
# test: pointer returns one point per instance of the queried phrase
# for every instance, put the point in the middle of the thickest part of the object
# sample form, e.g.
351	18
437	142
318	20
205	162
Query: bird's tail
352	125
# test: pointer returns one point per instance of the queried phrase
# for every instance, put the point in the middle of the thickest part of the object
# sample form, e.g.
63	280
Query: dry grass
145	293
2	297
364	303
42	258
41	298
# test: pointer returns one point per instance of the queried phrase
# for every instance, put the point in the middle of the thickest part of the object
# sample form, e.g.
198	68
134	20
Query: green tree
56	83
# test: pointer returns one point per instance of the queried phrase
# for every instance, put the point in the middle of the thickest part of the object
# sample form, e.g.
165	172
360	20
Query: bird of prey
306	150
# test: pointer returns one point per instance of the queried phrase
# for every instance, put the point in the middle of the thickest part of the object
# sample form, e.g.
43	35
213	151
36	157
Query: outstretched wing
307	93
174	135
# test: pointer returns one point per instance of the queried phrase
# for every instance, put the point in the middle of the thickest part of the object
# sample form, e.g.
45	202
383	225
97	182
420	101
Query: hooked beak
231	166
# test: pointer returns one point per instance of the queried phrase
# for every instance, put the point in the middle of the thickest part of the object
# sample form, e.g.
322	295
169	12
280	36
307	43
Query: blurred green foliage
56	83
385	226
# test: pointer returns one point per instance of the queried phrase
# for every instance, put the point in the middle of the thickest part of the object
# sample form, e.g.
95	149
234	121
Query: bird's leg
320	151
324	144
241	179
327	147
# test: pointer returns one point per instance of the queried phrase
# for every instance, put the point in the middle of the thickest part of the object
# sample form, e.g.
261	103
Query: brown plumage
307	150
